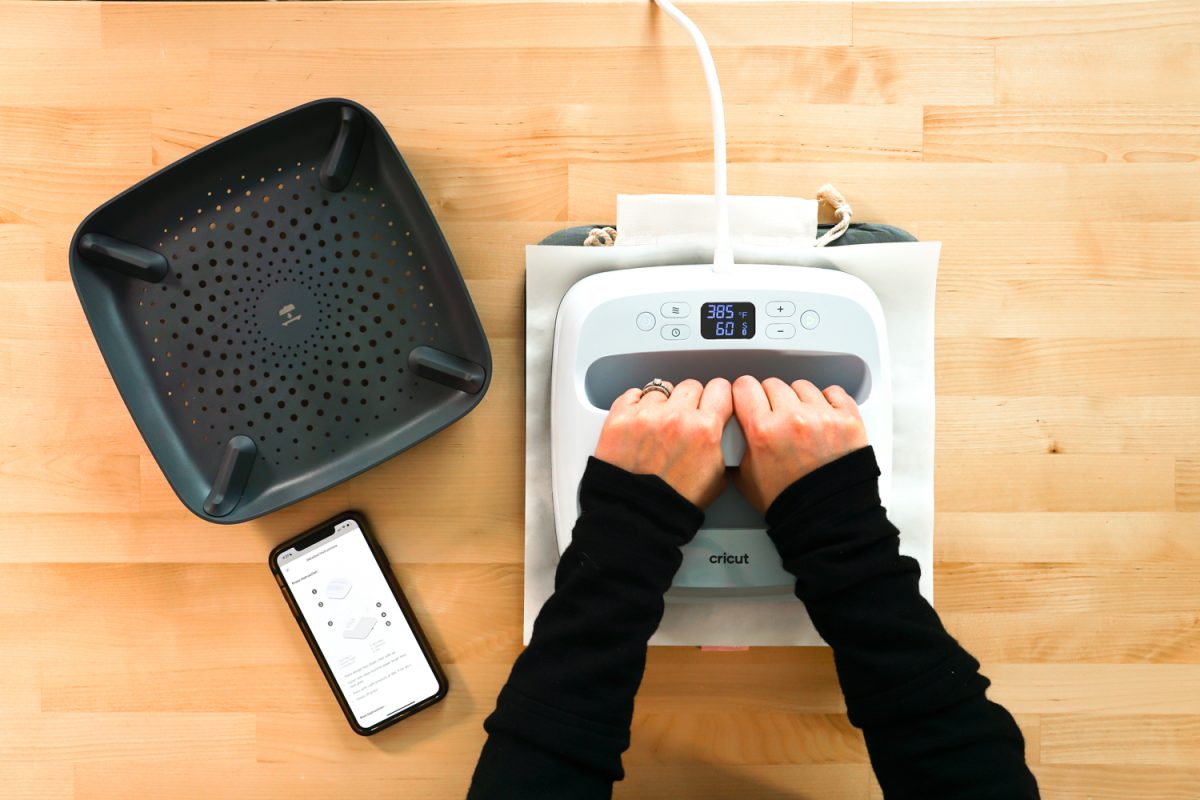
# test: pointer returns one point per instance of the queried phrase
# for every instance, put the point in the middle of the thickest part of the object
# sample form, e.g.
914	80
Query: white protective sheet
903	275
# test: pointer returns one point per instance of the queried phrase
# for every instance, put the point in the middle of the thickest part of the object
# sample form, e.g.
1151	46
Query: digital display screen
358	623
727	320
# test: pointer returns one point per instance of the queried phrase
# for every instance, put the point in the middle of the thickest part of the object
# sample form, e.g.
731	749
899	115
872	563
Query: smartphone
340	589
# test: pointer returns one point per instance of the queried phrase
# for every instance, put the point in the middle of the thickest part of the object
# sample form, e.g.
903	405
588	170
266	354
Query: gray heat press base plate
280	311
859	233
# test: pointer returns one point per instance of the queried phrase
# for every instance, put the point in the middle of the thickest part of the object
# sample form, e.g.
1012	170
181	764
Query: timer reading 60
727	320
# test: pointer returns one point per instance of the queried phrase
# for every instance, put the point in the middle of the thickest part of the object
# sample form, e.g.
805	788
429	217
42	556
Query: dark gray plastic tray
280	311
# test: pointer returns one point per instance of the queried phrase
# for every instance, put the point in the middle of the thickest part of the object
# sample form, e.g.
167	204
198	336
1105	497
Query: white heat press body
617	330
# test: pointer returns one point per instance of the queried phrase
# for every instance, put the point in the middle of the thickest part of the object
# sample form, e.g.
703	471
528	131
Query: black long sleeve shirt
562	720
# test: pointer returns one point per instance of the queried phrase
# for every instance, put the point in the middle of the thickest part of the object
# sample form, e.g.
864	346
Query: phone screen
342	594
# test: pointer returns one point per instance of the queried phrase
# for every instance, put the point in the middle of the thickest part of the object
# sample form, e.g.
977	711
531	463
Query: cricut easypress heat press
617	330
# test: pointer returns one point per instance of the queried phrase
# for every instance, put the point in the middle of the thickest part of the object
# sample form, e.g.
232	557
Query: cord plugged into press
723	252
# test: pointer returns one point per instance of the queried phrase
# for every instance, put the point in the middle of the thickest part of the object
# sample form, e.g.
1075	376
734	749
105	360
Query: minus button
781	330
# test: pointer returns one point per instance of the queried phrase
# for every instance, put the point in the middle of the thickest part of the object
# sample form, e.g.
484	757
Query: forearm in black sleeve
562	720
916	693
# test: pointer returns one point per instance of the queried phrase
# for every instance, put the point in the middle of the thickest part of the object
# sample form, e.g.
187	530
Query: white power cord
723	254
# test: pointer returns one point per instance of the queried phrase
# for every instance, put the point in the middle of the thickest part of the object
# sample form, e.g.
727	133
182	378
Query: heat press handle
733	443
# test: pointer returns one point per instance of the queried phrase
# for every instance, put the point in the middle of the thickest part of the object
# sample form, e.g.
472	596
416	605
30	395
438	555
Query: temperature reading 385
727	320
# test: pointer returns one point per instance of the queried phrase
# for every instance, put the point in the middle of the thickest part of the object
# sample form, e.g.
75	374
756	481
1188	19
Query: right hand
789	432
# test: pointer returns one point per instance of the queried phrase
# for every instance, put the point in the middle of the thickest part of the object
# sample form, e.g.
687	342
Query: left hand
676	438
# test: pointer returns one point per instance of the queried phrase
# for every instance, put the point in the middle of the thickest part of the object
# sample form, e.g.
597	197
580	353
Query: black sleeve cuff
594	746
648	497
953	680
841	487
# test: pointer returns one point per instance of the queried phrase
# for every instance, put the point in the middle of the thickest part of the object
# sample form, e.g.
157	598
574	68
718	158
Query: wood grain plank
1031	730
392	773
1045	636
49	536
70	77
734	738
102	136
1187	484
1075	134
495	250
1117	782
1142	739
23	780
1112	689
1073	425
49	311
45	478
775	782
669	129
1067	588
58	196
39	369
22	252
53	423
40	25
764	75
51	738
21	677
905	193
1149	22
1083	74
1067	536
1165	367
976	304
768	686
484	190
436	25
1068	249
1060	482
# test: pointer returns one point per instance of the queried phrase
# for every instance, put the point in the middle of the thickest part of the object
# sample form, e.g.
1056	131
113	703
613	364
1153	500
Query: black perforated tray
280	311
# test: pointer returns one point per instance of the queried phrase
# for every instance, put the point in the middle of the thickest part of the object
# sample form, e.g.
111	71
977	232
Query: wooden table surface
1053	149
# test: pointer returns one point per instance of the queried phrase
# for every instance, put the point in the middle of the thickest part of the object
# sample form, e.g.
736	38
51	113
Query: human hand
789	432
676	438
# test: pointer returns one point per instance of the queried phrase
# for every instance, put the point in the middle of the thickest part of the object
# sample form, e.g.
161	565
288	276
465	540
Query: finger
687	394
807	392
749	399
780	394
626	399
717	398
840	398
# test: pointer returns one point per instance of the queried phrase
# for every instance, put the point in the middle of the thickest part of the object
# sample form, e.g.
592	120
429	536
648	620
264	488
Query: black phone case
402	601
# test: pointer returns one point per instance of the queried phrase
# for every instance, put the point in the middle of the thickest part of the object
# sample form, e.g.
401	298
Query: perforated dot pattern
288	314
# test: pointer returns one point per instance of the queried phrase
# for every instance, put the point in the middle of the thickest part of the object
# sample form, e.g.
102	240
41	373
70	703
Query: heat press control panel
726	320
620	329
